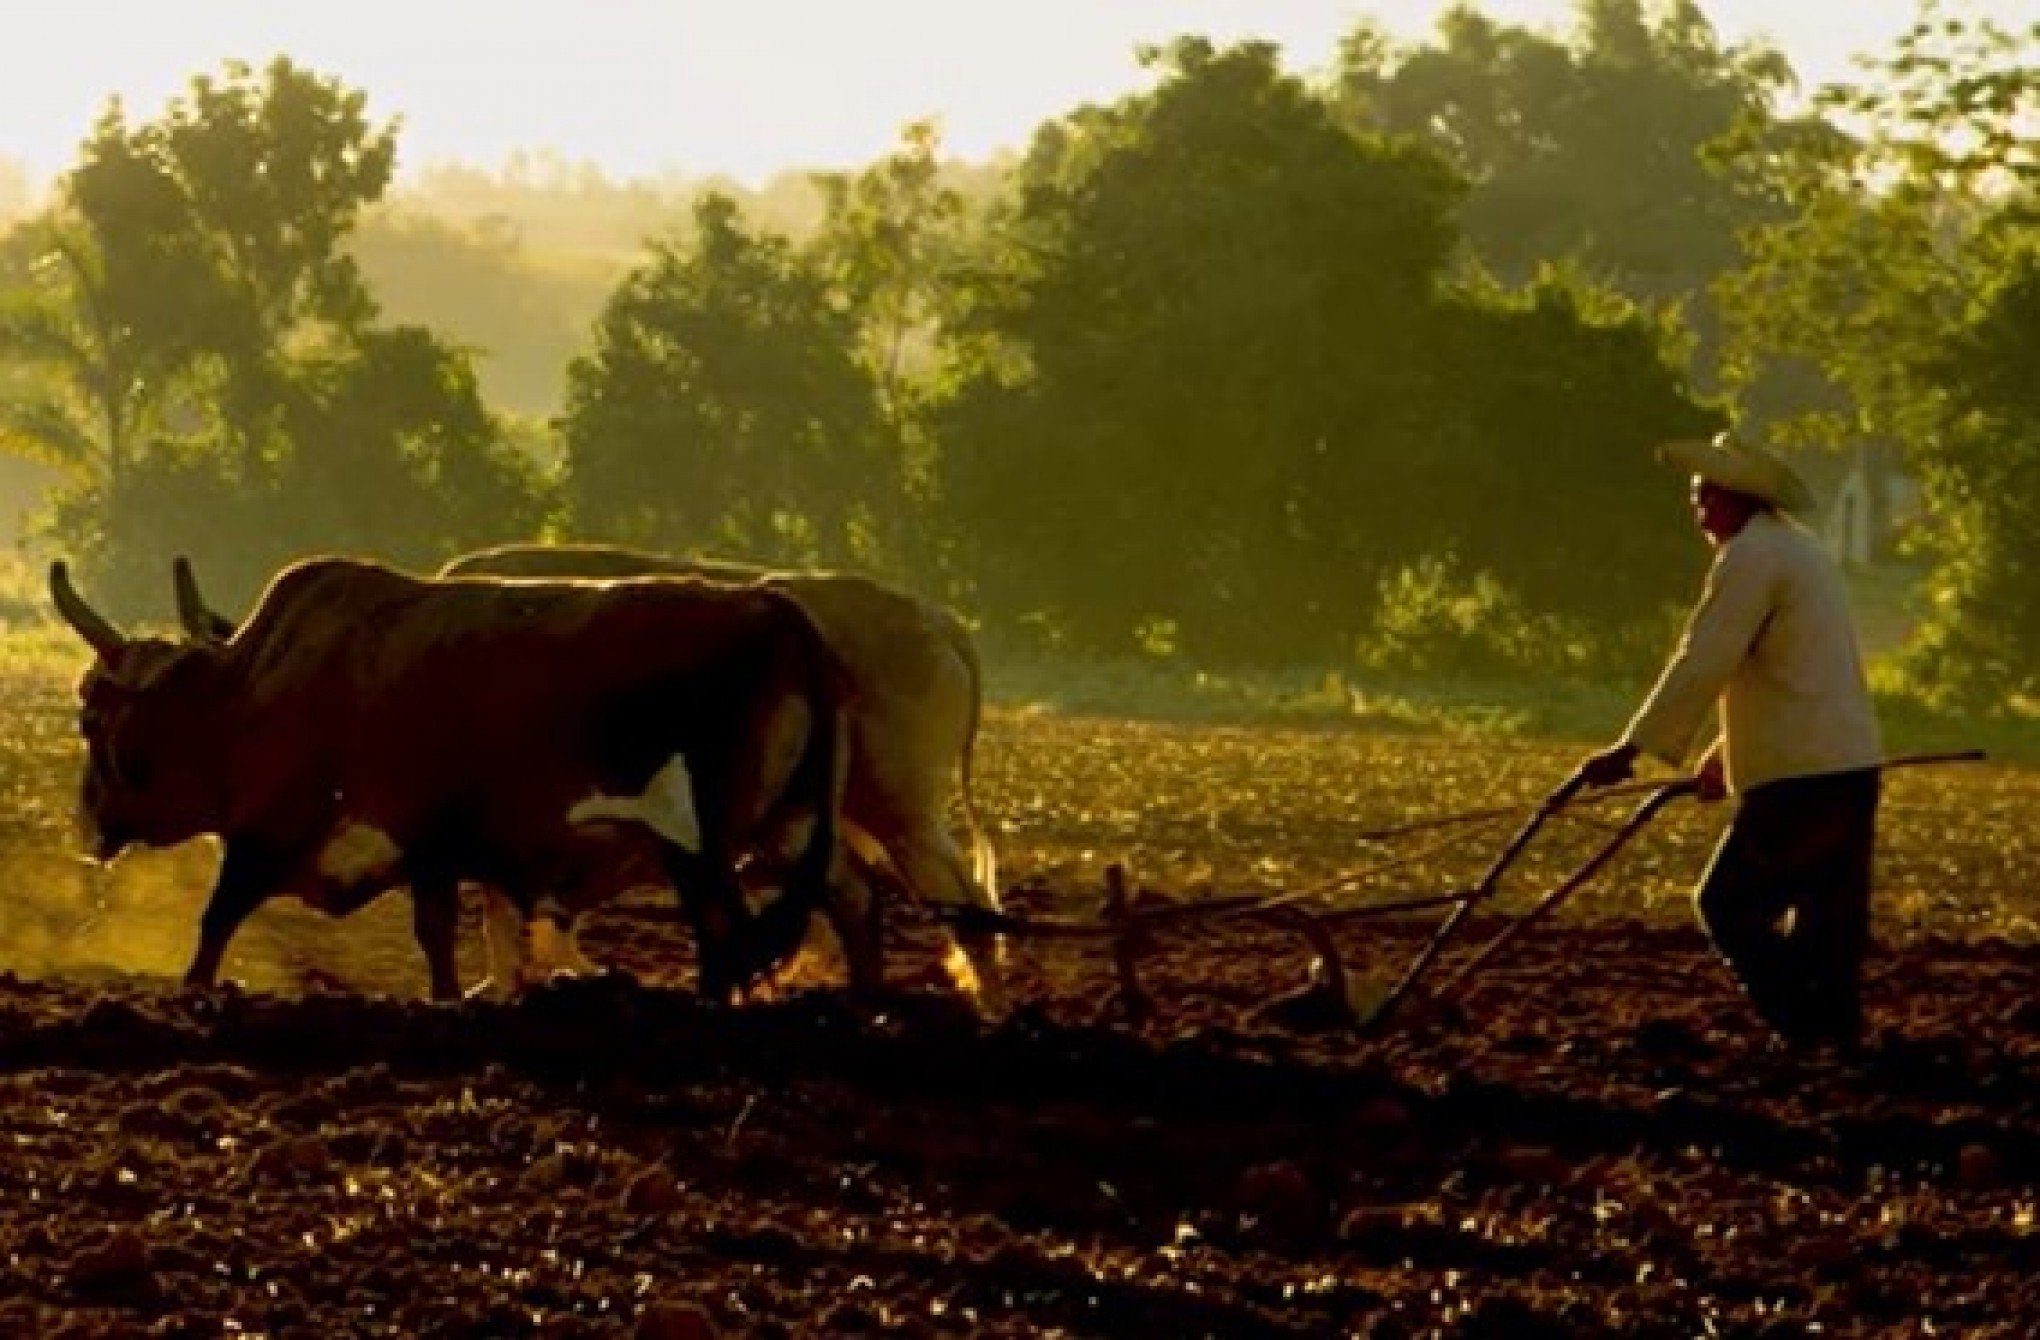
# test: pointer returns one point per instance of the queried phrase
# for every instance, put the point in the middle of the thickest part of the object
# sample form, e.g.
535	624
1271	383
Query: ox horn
198	619
98	632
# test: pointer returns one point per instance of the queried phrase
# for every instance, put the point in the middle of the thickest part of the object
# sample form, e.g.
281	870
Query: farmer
1786	898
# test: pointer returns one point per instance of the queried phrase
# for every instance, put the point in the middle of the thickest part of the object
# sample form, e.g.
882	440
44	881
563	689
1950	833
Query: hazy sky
738	86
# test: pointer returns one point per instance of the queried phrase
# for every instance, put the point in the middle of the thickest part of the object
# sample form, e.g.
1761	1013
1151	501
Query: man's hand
1616	763
1712	778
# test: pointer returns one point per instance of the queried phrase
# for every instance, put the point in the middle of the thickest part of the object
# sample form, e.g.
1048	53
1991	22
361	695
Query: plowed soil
1595	1137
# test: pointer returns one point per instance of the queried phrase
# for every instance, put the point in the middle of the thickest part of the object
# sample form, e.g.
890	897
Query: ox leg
503	941
855	906
708	889
853	912
933	866
246	881
555	951
435	920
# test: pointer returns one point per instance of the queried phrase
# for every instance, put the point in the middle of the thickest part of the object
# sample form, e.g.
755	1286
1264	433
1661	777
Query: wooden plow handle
1131	931
1657	794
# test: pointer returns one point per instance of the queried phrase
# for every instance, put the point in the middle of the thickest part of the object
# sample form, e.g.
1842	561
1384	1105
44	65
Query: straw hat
1727	461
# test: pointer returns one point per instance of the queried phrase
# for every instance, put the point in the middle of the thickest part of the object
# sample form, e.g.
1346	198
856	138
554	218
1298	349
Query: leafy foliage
1588	149
1905	276
894	243
1184	273
1559	391
723	407
889	241
1983	639
397	454
1237	372
1219	359
211	370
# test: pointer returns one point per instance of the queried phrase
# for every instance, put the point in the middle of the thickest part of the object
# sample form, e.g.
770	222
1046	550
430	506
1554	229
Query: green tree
1855	285
1589	149
1903	275
1216	391
1982	473
199	333
111	303
888	242
273	171
724	407
1197	314
1557	390
395	453
891	244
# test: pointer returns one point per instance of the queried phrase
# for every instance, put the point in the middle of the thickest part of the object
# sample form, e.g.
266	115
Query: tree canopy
1240	368
723	406
1903	276
1588	149
206	345
1217	357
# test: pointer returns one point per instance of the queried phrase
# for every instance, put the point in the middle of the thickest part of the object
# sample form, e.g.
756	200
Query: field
1594	1138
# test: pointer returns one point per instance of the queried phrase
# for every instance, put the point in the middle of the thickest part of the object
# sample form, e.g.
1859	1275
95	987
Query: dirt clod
653	1191
1979	1168
117	1264
670	1320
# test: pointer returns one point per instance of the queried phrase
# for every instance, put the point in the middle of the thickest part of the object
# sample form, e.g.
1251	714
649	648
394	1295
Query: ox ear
200	623
98	632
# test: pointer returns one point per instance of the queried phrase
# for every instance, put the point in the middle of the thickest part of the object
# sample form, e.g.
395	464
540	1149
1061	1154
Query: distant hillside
516	263
24	486
525	312
556	207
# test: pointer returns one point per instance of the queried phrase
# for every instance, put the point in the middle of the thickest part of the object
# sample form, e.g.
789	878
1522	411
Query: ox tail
984	857
823	778
813	789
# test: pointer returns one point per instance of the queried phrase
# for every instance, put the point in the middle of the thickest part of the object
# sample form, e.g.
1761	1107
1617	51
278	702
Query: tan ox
916	700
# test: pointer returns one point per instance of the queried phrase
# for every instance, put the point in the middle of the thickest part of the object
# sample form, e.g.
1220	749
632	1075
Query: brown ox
916	699
366	728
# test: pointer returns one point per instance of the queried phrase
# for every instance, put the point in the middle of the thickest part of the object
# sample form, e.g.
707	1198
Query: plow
1333	995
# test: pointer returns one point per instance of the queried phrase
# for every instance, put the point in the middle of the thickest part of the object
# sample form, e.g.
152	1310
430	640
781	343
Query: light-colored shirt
1772	643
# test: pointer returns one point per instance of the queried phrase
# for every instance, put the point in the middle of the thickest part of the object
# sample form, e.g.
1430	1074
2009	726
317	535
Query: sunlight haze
642	87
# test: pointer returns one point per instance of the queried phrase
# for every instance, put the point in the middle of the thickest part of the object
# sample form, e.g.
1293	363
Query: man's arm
1719	633
1713	771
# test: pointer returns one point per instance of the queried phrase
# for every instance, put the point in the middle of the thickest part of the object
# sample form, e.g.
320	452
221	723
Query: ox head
150	712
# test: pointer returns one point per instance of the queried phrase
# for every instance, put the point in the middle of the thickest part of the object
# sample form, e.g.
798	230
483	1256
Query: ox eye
113	757
128	772
101	754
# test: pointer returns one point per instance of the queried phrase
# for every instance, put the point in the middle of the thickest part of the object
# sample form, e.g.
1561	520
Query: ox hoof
512	988
534	981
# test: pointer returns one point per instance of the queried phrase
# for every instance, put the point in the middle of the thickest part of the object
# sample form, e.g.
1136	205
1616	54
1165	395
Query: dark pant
1786	901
